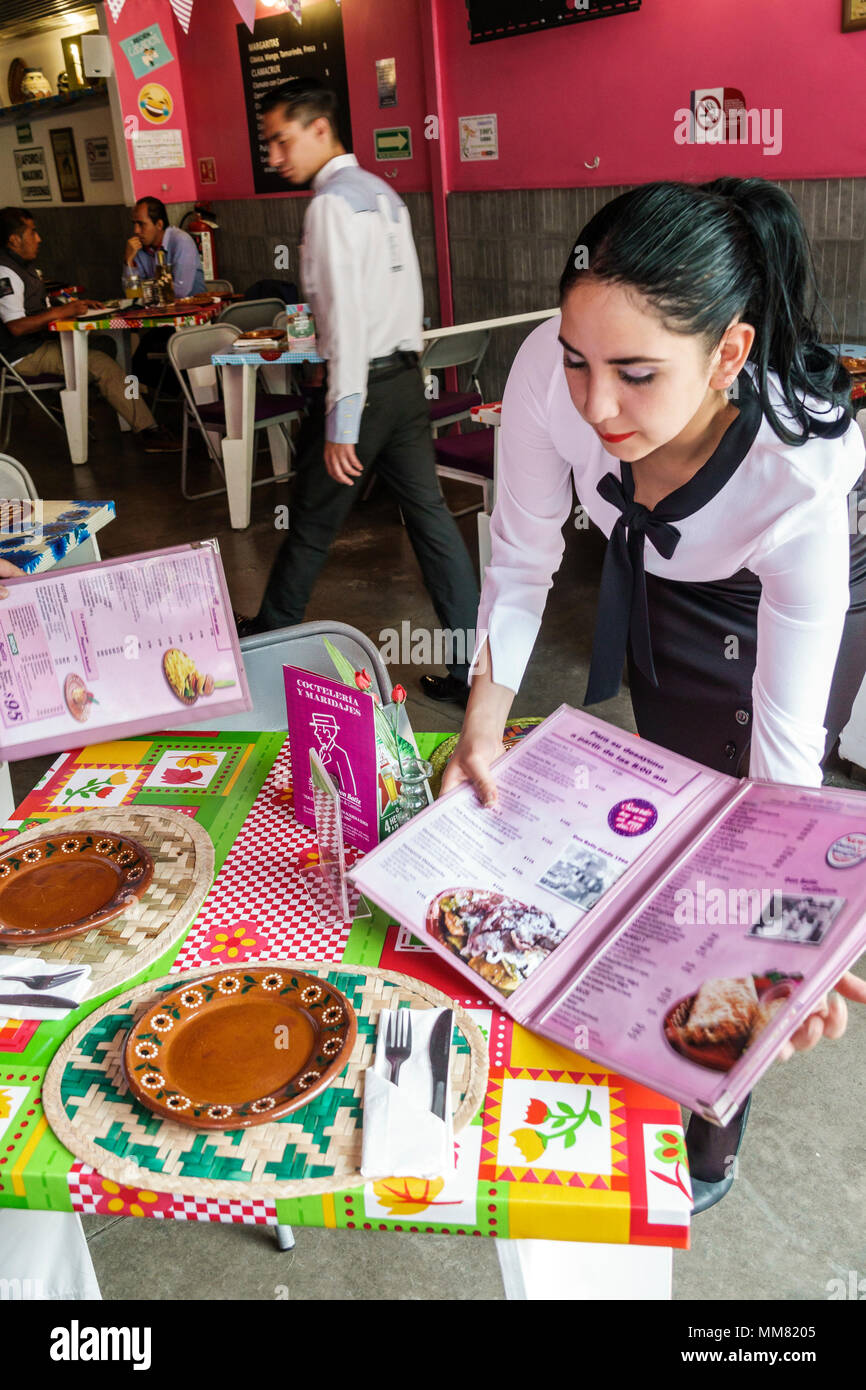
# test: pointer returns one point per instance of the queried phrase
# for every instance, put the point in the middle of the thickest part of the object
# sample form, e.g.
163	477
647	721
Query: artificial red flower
362	680
177	776
398	695
536	1112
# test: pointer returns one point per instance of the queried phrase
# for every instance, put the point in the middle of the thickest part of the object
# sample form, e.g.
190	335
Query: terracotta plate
60	885
239	1048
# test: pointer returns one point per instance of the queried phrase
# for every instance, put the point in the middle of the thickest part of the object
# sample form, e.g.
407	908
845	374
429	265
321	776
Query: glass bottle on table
164	278
132	288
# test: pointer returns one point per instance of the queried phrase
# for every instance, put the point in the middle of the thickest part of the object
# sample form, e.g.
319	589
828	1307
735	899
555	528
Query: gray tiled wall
508	250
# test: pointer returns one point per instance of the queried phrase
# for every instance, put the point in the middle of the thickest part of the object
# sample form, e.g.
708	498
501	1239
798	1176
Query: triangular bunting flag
599	1182
553	1180
247	11
182	12
115	7
294	8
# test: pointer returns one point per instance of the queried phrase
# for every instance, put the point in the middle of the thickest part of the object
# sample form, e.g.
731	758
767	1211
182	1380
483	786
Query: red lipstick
617	438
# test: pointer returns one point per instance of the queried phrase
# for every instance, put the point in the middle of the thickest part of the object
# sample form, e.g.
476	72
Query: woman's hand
481	737
7	571
830	1019
470	762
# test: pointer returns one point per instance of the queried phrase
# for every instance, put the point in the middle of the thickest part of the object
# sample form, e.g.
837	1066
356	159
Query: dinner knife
41	1001
440	1059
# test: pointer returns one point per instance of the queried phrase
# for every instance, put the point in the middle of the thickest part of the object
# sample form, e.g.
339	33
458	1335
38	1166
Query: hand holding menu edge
829	1020
7	571
480	739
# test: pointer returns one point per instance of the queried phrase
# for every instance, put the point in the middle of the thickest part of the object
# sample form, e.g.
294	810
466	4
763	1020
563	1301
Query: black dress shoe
445	688
247	627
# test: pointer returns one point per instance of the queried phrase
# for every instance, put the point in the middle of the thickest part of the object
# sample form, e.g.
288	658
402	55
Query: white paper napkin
402	1136
32	965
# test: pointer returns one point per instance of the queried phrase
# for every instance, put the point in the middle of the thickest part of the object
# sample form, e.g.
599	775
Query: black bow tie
622	602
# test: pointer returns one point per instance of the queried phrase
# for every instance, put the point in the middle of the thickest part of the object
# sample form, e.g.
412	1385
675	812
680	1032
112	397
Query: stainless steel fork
43	981
398	1041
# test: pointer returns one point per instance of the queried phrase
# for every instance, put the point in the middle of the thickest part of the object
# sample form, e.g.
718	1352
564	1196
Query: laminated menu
666	921
120	647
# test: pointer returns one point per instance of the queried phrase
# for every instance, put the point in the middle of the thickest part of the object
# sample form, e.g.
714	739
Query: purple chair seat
471	452
453	403
213	413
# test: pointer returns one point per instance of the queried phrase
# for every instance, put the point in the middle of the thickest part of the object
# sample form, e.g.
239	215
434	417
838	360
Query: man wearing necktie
360	274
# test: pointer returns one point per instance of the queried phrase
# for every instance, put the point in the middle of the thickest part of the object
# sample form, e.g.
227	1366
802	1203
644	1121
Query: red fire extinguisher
201	224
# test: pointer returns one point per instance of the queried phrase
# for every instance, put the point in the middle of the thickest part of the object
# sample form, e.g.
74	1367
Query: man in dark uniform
360	274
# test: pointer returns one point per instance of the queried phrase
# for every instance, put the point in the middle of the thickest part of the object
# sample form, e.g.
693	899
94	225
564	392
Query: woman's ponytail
708	255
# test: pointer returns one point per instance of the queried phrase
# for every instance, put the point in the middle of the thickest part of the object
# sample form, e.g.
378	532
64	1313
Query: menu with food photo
121	647
667	921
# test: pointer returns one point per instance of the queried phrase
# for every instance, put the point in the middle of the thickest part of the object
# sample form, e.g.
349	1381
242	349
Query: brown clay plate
61	885
239	1048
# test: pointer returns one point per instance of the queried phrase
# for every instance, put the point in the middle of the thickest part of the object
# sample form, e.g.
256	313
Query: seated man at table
152	232
26	343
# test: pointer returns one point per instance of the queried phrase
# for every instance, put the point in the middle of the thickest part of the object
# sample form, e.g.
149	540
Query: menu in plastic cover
120	647
667	921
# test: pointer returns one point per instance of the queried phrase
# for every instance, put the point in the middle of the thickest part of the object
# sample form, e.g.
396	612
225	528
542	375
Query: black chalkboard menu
280	48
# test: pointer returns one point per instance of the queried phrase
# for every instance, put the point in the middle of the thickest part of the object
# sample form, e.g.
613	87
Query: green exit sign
395	143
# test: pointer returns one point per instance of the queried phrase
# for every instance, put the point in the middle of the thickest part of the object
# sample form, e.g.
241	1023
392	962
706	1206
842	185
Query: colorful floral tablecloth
561	1149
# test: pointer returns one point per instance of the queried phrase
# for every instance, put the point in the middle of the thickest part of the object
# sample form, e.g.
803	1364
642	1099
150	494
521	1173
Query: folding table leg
73	344
285	1237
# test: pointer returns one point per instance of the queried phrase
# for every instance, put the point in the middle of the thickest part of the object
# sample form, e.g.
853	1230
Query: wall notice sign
158	149
395	143
97	152
146	50
278	50
33	175
207	170
479	138
386	81
24	133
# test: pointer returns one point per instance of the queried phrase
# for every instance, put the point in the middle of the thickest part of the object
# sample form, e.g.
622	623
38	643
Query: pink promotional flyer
668	922
337	722
121	647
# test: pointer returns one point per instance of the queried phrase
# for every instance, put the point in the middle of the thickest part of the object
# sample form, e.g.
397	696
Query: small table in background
239	392
119	325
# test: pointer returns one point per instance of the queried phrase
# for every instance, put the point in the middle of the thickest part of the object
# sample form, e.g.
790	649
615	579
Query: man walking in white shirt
360	273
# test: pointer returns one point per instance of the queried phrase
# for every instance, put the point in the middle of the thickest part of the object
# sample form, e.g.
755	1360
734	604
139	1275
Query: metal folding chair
455	350
12	383
252	313
190	351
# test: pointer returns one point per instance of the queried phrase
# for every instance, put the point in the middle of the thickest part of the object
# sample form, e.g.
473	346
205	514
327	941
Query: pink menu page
696	988
116	648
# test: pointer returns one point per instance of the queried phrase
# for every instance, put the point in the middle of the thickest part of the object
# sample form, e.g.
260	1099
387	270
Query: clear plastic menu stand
334	899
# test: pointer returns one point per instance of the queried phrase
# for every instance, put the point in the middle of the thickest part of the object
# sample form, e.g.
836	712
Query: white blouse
783	515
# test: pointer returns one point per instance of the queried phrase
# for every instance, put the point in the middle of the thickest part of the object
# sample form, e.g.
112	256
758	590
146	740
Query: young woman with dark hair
685	394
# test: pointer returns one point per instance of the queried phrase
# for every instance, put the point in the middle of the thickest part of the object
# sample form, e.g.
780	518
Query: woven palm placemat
183	866
314	1149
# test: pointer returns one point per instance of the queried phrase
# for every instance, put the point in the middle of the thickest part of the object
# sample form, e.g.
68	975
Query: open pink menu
666	921
120	647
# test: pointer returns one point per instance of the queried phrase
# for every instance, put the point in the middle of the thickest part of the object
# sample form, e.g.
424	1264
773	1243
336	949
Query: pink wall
214	90
611	88
171	185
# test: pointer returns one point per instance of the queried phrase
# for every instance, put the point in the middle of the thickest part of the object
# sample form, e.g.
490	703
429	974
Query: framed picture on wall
853	15
66	164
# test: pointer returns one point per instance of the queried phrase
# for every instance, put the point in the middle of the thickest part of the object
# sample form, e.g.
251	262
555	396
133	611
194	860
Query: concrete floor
796	1217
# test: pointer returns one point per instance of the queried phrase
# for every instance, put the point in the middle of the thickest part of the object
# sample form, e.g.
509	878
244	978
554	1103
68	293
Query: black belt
394	360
